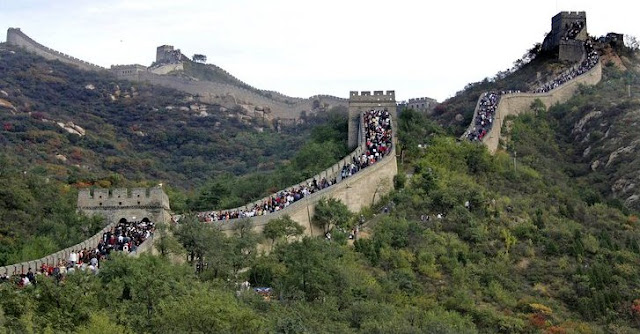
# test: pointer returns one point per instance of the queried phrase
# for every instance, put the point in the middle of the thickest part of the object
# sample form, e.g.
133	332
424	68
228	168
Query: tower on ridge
166	54
567	36
364	101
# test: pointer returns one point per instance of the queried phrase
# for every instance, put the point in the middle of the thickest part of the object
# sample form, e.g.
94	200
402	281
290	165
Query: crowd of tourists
378	139
124	237
483	121
378	136
274	203
587	64
574	29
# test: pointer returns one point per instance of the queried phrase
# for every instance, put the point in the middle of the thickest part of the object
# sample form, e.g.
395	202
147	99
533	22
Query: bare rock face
6	104
579	127
607	140
622	150
72	128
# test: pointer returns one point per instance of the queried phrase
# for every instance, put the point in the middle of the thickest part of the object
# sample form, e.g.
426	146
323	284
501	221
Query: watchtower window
138	202
119	203
100	203
100	196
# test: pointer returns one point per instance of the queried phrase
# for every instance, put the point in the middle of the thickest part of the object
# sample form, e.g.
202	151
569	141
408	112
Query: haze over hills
206	82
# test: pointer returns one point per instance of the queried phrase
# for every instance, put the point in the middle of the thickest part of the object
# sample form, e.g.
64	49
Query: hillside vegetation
518	250
64	129
467	243
128	130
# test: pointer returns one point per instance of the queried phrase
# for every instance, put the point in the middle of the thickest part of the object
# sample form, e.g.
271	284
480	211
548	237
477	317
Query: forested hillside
596	132
542	237
64	129
87	127
468	244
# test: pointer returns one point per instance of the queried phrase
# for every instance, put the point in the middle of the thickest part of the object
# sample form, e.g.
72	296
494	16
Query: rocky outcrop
4	104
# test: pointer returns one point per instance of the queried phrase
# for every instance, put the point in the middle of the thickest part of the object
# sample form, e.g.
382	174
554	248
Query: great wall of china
208	92
515	103
360	190
356	192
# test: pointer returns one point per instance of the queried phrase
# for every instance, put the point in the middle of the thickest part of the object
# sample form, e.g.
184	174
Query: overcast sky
302	48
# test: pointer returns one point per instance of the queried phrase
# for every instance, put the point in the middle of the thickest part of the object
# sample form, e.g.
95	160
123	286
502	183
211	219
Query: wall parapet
516	103
387	164
15	36
55	258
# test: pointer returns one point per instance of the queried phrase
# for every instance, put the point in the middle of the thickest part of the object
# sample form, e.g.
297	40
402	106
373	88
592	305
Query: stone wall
516	103
281	106
16	37
559	24
213	92
365	101
53	259
571	50
134	204
356	192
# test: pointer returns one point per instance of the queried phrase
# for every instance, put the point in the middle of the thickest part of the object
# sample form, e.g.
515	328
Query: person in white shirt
73	258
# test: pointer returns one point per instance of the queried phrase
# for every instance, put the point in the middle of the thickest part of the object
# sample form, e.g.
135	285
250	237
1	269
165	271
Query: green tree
311	269
283	227
206	310
194	236
165	241
331	212
100	323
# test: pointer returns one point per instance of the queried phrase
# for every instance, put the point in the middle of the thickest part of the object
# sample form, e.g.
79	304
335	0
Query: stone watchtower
166	54
567	36
364	101
132	205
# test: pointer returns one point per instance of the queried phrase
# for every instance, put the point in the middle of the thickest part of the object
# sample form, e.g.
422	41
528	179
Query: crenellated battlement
422	100
378	95
421	104
561	24
131	72
122	198
364	101
15	36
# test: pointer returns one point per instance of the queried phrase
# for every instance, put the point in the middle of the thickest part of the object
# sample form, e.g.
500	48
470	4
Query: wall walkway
517	103
358	191
16	37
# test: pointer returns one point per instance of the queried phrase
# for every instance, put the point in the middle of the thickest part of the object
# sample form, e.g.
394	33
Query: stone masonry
364	101
132	205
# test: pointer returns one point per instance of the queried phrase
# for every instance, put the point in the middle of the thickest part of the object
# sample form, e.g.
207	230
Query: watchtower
129	204
166	54
568	33
364	101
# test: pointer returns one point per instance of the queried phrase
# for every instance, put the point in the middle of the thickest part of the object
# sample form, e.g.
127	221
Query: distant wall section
517	103
16	37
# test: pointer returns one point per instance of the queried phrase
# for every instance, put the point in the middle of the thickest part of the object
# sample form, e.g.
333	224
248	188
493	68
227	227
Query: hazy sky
302	48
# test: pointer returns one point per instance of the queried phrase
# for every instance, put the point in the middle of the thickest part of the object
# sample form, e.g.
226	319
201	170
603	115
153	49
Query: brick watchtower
364	101
567	36
132	205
